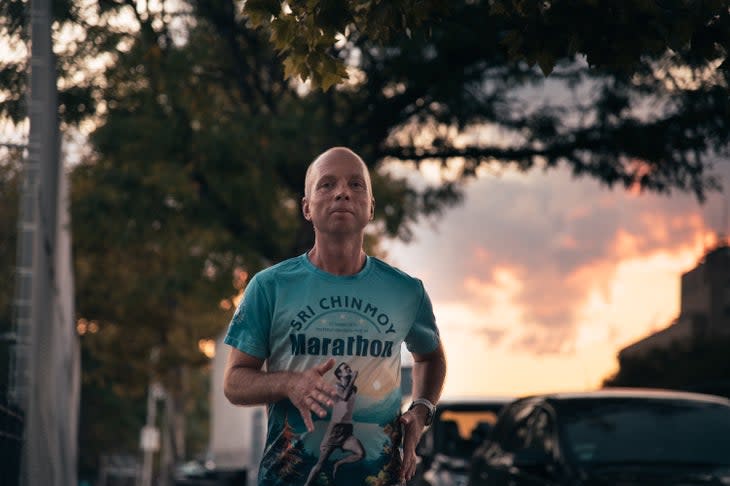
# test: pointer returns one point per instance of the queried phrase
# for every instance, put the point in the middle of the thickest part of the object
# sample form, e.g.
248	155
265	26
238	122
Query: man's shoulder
276	270
390	271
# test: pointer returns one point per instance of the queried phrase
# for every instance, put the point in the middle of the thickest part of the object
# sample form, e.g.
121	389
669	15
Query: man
335	301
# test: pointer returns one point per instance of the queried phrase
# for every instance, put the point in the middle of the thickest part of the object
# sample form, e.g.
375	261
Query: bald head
334	154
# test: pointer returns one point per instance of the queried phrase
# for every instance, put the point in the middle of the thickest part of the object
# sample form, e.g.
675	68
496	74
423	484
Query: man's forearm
246	386
429	373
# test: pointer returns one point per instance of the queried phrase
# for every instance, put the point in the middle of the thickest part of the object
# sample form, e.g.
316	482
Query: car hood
655	475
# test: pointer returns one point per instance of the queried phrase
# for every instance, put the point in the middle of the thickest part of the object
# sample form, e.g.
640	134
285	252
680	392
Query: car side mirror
532	458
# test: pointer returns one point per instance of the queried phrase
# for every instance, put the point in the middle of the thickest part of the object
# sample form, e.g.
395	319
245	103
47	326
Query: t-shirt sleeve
423	336
249	328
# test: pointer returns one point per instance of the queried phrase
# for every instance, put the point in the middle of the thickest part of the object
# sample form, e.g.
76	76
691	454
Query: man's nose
343	192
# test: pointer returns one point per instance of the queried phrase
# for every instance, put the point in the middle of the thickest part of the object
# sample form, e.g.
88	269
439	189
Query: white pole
147	438
150	434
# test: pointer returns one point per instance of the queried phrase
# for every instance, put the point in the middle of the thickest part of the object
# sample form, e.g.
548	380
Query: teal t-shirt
296	316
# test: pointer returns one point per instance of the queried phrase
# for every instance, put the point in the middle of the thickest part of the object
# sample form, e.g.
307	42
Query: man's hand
310	393
413	423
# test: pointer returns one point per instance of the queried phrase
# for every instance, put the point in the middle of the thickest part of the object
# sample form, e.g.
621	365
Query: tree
305	32
649	93
174	198
615	35
657	126
198	145
644	53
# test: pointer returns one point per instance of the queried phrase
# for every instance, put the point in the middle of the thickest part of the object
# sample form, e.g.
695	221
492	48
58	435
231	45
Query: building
704	305
237	434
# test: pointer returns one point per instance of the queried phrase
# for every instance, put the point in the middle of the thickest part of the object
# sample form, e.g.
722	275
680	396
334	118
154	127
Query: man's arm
429	373
245	383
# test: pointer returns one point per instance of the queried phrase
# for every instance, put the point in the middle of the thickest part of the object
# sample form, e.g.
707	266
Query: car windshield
458	431
608	431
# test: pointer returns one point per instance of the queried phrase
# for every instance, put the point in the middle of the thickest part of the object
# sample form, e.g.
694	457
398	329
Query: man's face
339	199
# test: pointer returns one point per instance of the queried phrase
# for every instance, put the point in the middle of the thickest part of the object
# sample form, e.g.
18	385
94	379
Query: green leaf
295	65
283	32
335	73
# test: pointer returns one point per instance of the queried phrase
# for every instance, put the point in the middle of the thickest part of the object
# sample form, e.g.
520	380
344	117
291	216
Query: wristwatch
430	408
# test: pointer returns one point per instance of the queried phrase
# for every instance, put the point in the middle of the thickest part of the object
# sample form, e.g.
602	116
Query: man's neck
338	258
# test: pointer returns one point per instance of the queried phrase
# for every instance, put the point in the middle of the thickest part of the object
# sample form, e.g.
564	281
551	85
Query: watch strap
429	406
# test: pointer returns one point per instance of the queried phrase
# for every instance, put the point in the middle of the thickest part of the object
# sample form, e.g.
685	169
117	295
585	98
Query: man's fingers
317	393
410	438
410	472
407	469
323	399
307	417
410	435
322	393
317	404
325	367
322	385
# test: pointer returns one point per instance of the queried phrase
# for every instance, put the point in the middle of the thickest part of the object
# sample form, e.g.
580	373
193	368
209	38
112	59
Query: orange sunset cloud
540	279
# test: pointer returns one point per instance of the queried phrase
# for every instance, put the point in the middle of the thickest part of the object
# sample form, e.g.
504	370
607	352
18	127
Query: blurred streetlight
207	347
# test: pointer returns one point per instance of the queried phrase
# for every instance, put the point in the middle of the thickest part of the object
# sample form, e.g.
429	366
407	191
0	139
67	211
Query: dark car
459	427
611	437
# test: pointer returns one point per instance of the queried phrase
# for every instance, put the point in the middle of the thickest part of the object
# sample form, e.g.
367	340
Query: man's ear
305	209
372	209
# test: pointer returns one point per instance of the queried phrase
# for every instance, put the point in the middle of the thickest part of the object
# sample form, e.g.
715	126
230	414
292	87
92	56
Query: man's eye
358	185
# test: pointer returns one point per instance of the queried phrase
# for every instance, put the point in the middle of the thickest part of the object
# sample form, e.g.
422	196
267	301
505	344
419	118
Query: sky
539	279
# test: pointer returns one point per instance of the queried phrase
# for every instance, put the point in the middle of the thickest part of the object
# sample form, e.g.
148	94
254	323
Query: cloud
526	252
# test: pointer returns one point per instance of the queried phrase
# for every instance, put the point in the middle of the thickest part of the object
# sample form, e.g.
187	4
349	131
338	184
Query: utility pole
44	375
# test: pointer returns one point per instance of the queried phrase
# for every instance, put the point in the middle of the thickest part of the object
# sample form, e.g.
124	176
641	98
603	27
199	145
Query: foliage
628	31
305	32
637	94
198	144
611	34
196	168
104	404
655	128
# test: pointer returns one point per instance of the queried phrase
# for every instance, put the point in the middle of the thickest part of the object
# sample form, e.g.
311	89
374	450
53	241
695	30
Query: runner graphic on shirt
339	434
